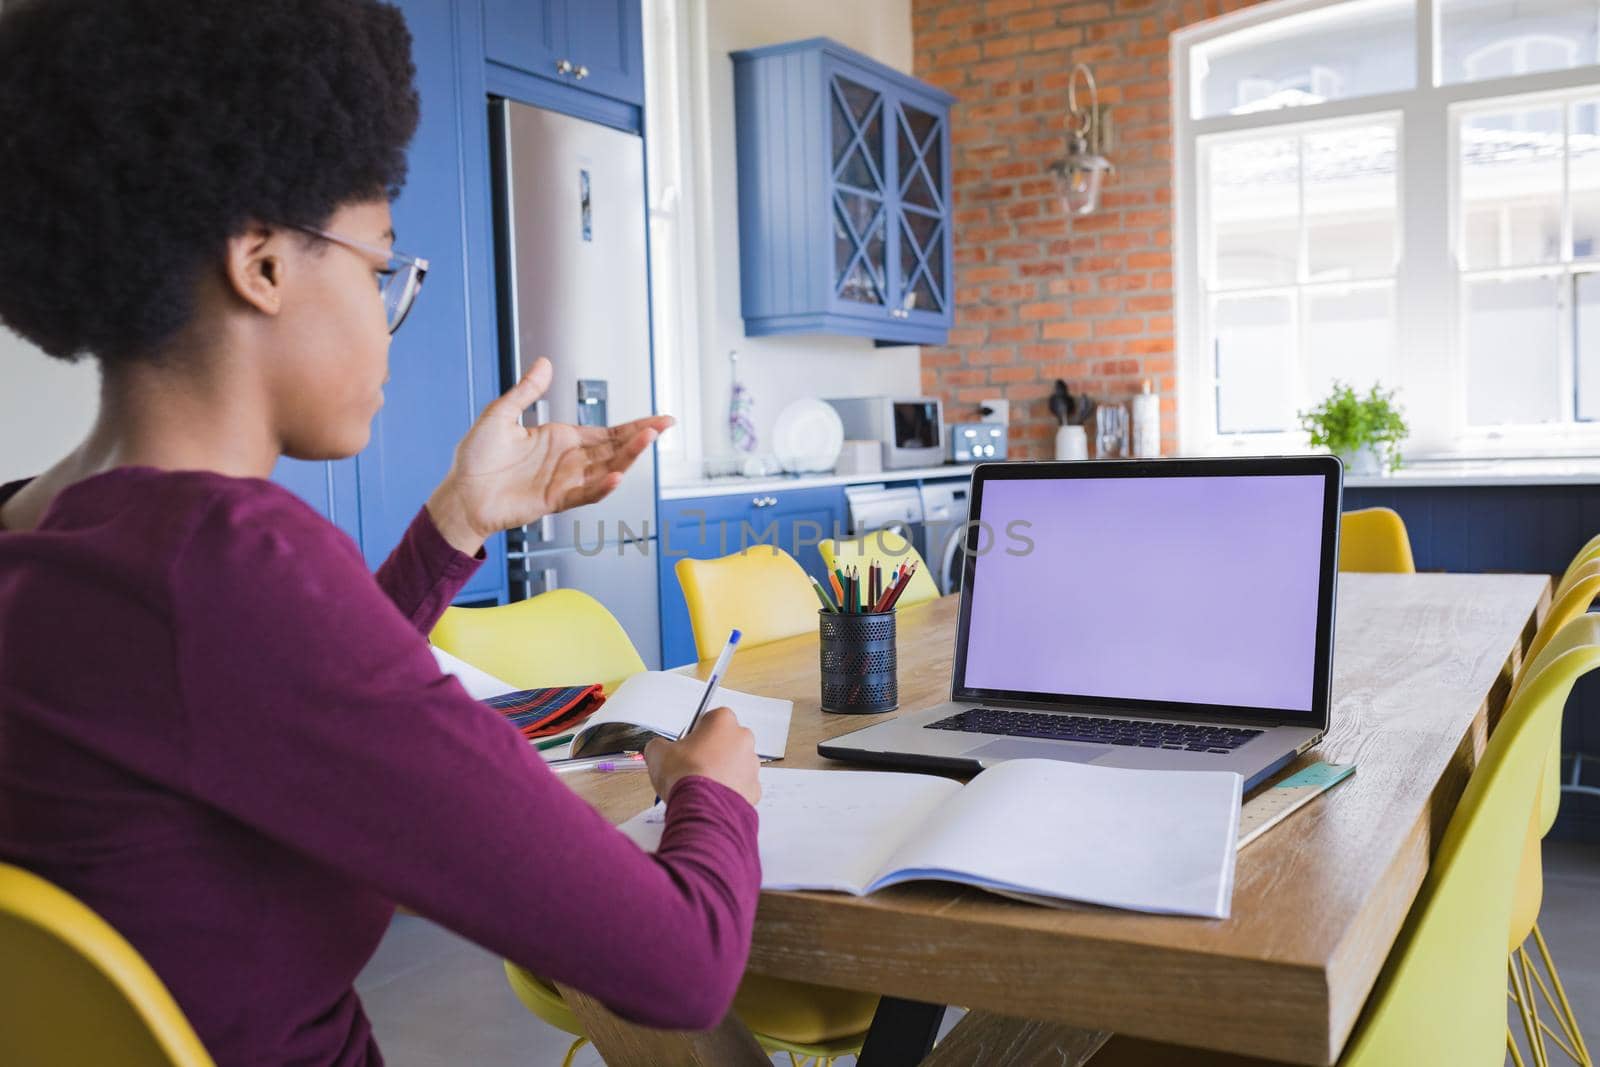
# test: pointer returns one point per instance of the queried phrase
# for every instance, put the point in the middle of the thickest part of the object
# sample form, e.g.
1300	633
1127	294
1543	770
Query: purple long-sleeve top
229	740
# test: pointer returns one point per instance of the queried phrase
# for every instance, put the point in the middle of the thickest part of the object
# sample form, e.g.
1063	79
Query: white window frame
1427	288
675	35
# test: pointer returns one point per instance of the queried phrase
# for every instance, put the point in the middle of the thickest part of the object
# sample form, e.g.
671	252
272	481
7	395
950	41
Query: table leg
901	1034
625	1044
984	1038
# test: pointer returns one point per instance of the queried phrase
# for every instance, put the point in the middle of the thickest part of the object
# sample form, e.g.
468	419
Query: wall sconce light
1080	173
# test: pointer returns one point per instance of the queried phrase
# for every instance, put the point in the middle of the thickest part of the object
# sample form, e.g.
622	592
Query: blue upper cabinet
443	366
594	45
844	205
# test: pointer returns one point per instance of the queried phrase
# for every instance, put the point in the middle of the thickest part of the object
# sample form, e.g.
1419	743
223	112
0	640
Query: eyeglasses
399	278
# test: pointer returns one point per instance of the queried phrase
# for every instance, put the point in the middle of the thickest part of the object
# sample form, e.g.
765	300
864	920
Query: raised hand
506	474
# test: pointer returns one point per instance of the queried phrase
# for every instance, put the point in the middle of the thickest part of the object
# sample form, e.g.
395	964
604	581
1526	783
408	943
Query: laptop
1157	614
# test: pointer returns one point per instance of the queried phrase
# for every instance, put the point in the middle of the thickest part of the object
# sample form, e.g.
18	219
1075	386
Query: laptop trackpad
1020	748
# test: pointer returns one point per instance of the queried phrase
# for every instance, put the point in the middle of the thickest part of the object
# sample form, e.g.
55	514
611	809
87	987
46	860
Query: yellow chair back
1582	587
761	592
887	549
73	991
1587	554
563	637
1374	540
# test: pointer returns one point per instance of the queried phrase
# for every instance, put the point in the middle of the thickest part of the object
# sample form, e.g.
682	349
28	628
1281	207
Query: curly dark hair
137	136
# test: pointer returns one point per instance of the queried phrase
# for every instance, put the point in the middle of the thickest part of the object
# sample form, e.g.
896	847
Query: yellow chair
1587	554
1374	540
73	991
806	1021
1576	594
890	550
562	637
761	591
1524	977
1440	1000
565	637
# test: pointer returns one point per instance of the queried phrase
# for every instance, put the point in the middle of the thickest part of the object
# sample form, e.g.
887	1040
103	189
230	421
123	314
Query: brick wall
1041	295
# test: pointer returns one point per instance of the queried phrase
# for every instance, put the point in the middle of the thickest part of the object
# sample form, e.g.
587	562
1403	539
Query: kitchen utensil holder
858	663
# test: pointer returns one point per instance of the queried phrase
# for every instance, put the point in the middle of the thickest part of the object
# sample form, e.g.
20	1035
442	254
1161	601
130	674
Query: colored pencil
822	595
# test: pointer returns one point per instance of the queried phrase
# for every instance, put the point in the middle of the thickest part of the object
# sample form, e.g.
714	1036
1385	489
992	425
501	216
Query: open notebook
649	704
661	703
1156	841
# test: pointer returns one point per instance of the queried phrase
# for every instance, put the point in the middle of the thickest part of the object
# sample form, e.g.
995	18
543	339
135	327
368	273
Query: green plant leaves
1346	422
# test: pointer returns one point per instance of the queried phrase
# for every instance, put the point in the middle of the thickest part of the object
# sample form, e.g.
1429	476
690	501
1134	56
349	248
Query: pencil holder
858	663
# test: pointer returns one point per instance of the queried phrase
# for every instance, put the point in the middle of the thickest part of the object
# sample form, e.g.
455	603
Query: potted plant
1365	432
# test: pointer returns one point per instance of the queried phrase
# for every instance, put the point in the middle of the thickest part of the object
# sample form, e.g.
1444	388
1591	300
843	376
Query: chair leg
1559	1004
1549	1002
572	1051
1529	1012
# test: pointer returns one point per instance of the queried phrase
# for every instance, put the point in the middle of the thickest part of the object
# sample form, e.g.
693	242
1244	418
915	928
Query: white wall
46	406
776	369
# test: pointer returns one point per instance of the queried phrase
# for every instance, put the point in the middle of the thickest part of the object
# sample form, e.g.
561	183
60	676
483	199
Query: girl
217	729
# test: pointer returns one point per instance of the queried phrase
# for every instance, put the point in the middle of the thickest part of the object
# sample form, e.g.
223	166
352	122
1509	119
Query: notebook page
827	829
480	685
1156	841
663	702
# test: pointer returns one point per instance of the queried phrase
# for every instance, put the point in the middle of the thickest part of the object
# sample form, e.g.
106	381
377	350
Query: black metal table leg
901	1034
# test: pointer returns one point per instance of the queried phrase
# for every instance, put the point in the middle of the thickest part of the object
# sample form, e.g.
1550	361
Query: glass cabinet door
860	191
920	262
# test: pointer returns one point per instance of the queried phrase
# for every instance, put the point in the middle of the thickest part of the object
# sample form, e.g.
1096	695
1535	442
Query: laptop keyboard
1135	733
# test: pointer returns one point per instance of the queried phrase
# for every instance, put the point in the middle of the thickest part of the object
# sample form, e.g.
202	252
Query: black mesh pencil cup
858	663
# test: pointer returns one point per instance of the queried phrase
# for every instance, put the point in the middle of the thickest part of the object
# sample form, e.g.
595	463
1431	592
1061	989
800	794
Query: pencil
900	588
838	590
827	604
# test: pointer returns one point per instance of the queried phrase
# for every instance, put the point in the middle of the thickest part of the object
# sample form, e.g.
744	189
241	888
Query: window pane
1511	188
1350	49
1586	335
1254	202
1350	202
1512	338
1583	174
1481	39
1350	338
1255	363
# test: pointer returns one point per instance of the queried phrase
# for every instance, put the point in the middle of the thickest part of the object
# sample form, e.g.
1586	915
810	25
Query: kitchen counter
1434	474
738	483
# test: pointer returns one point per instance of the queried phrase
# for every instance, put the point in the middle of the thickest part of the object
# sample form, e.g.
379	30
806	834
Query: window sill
1461	472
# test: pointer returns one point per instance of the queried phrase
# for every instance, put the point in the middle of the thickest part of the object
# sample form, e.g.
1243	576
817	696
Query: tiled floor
436	1000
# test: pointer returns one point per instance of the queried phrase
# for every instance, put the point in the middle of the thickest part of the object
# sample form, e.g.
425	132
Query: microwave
910	429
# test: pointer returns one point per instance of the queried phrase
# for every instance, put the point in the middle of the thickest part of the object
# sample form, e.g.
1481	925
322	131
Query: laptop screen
1180	590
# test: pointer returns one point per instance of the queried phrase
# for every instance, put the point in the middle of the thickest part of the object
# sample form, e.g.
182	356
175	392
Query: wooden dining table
1421	667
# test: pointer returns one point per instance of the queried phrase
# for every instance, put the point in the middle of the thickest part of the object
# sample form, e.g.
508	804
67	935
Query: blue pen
717	670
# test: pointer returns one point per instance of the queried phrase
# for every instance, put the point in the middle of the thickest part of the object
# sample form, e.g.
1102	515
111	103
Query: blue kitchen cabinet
844	196
443	363
710	527
593	45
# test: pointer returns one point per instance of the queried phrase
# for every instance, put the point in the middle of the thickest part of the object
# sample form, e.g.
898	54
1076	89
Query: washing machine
944	519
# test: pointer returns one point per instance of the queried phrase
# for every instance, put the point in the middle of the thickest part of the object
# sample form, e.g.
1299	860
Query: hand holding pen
744	775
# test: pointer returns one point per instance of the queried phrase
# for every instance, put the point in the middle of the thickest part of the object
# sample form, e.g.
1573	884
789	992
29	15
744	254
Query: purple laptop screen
1188	590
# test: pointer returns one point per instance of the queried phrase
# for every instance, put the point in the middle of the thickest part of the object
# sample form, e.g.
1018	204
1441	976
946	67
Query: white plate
808	436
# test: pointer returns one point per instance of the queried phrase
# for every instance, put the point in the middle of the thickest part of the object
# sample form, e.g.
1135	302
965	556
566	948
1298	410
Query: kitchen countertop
736	483
1453	474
